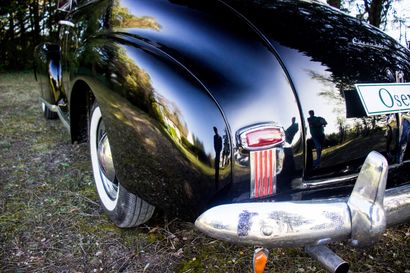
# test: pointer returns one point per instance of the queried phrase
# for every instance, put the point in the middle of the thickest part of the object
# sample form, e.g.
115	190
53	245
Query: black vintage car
257	113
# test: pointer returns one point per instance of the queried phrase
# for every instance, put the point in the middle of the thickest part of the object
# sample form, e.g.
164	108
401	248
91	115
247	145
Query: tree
23	25
373	11
377	11
335	3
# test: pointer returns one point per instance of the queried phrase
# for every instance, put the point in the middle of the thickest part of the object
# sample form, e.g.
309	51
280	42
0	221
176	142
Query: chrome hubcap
105	158
106	163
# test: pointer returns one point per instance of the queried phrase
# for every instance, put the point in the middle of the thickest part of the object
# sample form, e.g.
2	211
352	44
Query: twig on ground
75	194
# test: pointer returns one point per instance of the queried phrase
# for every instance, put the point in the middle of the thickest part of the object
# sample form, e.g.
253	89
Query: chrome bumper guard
360	219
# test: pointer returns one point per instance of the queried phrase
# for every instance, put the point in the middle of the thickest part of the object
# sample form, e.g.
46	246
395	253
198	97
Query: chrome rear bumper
360	219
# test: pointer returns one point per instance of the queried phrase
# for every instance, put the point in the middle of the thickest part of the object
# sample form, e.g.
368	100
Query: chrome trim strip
63	119
56	109
66	23
51	107
361	219
318	183
263	173
325	182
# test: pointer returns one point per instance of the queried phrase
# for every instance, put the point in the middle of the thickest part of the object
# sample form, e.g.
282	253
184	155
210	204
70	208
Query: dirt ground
51	221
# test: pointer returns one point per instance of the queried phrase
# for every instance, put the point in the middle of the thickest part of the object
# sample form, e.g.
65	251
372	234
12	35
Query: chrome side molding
66	23
51	107
360	219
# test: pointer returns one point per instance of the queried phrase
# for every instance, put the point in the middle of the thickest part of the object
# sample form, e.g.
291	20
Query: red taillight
262	136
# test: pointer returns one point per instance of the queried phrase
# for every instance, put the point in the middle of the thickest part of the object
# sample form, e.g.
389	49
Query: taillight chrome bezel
241	136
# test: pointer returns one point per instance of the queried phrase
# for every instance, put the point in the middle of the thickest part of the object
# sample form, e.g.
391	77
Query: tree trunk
377	11
43	17
11	27
335	3
8	42
36	21
20	52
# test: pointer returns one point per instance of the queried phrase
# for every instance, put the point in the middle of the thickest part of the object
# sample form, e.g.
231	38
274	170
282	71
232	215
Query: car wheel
124	208
48	114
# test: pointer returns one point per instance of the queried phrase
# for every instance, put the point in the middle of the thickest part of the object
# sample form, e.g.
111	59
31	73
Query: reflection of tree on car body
317	131
391	134
226	150
405	136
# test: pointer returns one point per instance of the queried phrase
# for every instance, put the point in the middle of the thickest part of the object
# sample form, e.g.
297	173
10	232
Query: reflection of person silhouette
317	131
218	149
405	136
291	131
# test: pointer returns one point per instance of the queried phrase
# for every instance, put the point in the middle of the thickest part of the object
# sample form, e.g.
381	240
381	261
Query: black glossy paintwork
177	79
159	118
320	52
234	64
47	68
161	136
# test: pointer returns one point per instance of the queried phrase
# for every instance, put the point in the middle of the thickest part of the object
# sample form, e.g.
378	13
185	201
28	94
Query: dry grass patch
51	221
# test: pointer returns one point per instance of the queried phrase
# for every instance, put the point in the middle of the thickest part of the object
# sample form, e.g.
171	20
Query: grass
51	221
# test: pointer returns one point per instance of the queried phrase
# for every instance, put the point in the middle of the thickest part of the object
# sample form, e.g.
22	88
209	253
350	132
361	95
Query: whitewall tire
48	114
124	208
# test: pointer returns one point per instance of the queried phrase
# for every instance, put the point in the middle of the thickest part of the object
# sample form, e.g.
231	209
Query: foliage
26	23
373	11
23	25
335	3
376	11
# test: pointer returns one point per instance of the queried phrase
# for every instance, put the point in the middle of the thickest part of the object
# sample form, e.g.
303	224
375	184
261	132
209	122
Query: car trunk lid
326	53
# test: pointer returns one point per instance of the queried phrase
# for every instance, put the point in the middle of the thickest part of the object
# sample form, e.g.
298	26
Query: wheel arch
160	120
81	100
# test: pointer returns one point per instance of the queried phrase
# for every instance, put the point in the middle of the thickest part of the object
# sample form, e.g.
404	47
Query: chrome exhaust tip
328	259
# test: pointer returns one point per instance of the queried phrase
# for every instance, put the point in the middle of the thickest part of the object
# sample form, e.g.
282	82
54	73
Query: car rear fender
47	70
169	138
240	69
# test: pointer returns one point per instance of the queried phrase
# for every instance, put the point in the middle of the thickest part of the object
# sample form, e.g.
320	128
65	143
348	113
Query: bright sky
402	9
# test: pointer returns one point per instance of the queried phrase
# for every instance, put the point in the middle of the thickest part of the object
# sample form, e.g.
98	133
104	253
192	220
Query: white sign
384	98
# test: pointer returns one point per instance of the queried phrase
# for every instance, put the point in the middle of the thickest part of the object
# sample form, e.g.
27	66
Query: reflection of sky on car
329	106
401	10
176	26
176	90
218	51
322	106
